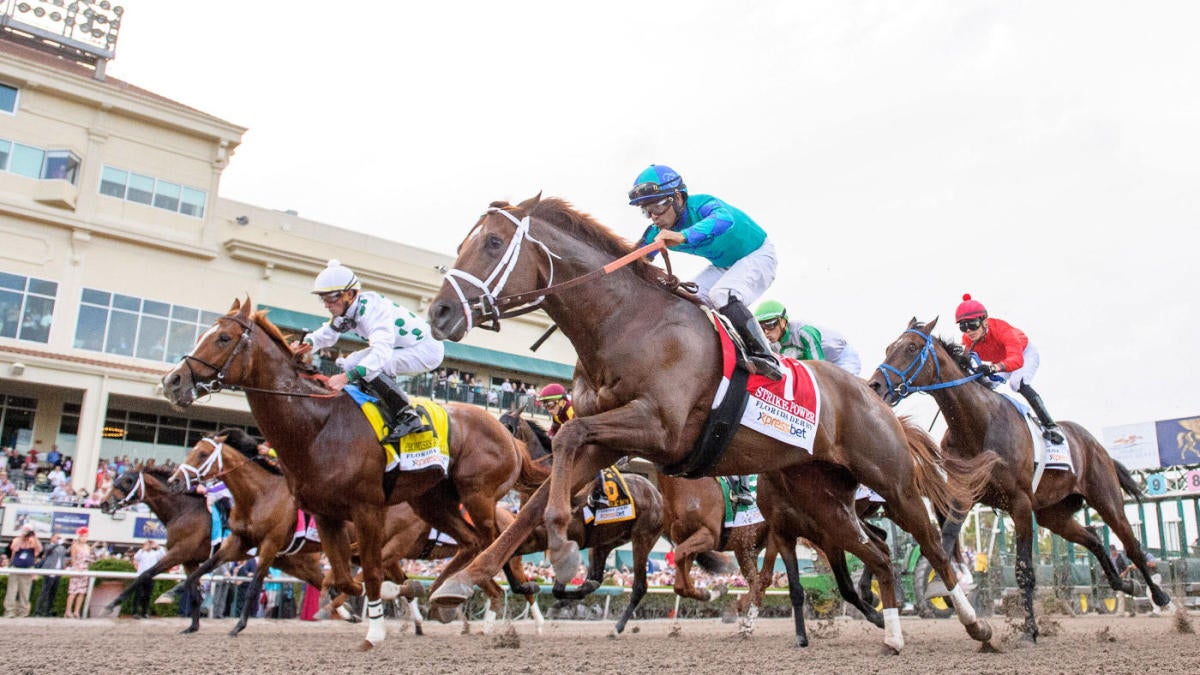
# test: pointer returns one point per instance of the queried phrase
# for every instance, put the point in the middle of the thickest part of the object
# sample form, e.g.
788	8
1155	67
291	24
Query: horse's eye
493	243
223	338
911	347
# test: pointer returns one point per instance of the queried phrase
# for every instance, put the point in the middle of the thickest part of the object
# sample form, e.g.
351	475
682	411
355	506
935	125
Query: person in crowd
81	556
54	556
7	488
804	341
54	457
399	343
741	257
23	553
68	464
57	476
1006	354
145	559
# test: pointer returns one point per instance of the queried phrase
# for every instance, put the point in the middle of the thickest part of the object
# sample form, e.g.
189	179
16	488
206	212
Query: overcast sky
1039	155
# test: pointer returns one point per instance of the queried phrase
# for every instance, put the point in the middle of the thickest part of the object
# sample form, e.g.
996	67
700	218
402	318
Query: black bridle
216	384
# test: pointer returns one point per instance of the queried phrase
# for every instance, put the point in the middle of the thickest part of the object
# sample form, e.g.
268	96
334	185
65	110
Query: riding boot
1050	430
598	499
739	490
403	417
222	506
762	360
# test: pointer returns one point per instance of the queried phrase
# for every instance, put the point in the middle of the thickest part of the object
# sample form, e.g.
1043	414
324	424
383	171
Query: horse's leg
519	584
595	577
787	551
746	553
455	589
256	584
193	581
574	465
641	554
1111	508
336	544
1022	515
701	540
165	564
864	581
368	526
845	585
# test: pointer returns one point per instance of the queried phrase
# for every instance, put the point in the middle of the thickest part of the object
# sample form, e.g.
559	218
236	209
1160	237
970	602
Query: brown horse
264	517
332	459
188	523
649	367
980	420
642	531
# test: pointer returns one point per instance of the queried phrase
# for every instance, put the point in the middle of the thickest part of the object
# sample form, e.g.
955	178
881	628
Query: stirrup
744	498
406	424
1053	435
765	366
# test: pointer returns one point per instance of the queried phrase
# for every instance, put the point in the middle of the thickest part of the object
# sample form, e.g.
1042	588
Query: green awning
291	320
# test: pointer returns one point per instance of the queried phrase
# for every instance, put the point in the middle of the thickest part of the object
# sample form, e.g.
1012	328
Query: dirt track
1080	645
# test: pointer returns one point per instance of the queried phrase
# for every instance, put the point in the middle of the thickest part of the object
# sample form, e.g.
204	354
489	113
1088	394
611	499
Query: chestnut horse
332	459
980	420
188	522
649	367
642	531
264	517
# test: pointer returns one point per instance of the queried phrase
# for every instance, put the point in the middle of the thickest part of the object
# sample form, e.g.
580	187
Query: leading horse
649	367
979	420
332	459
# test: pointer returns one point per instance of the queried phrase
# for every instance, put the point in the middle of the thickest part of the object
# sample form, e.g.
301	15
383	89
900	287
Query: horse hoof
1027	640
888	650
443	613
989	648
417	630
801	642
189	629
414	589
365	646
452	593
980	630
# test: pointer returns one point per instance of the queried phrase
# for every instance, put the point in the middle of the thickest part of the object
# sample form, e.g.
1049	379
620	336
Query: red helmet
551	392
970	309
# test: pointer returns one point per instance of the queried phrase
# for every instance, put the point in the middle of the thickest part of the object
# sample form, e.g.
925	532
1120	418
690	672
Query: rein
217	383
904	384
493	307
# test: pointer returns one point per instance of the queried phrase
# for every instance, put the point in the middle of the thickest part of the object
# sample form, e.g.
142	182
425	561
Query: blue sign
150	528
1178	441
66	523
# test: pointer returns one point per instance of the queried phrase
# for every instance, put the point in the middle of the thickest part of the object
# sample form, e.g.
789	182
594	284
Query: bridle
492	307
903	386
138	491
217	381
194	475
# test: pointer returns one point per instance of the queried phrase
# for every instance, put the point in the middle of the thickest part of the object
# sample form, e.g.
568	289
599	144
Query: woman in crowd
81	557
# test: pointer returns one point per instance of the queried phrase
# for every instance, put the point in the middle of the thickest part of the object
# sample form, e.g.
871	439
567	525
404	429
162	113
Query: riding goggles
645	191
970	325
656	209
771	324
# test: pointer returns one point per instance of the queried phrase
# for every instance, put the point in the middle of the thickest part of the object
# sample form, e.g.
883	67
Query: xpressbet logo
782	425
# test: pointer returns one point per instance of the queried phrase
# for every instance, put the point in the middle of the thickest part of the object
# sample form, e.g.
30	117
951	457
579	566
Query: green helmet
769	310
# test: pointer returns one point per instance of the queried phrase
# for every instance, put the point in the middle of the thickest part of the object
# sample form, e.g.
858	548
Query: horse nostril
438	310
874	386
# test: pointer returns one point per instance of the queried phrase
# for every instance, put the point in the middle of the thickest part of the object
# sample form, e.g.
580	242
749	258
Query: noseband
194	475
903	386
139	490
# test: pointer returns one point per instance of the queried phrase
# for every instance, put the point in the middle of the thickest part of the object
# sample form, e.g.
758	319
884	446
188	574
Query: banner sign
67	523
1134	445
150	528
1179	441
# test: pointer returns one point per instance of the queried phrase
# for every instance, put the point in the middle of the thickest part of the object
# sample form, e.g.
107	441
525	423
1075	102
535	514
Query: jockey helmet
335	277
656	182
970	309
770	310
552	392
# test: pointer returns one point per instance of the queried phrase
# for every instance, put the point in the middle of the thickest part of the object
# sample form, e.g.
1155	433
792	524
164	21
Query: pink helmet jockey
970	309
552	392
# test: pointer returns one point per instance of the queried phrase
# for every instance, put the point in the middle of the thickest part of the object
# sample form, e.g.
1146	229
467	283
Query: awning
492	358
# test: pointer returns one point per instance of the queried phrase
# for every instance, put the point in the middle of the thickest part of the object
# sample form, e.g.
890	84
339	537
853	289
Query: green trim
491	358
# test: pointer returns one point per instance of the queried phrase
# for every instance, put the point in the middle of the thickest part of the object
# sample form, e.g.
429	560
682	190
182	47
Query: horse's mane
559	213
162	473
247	445
957	352
272	331
540	432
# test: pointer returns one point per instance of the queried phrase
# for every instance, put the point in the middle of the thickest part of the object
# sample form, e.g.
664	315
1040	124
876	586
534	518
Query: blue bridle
904	385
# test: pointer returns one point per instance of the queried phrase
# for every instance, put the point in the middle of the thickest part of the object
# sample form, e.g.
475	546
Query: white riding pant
422	357
747	279
1025	373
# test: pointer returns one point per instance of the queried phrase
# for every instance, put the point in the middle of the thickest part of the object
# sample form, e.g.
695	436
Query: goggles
644	191
771	324
330	296
655	209
970	325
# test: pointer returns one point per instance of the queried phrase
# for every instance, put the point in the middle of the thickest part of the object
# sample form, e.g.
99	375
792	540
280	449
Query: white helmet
336	277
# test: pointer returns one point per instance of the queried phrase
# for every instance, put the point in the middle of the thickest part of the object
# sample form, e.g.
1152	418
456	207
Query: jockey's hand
338	381
988	368
300	348
670	237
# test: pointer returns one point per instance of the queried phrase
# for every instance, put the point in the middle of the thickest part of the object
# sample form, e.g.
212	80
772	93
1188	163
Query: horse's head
919	361
128	488
224	355
499	258
203	461
511	419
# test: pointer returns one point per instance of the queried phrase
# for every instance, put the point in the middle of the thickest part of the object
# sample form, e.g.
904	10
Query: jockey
218	497
804	341
741	257
1007	354
554	399
398	343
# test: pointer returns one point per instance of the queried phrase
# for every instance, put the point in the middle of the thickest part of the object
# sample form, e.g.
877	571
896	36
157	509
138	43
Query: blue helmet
656	182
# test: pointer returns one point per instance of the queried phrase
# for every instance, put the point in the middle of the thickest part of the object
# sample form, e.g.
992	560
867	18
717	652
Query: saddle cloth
306	530
620	506
417	451
786	410
1045	454
739	515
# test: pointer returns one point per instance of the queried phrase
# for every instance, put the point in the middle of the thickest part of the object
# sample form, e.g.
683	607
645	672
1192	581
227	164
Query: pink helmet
970	309
551	392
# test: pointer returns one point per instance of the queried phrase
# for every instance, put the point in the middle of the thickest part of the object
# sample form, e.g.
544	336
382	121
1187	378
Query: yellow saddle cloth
620	505
418	450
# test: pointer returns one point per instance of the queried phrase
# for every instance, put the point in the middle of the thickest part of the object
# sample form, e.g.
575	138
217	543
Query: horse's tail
1128	484
964	481
715	562
533	473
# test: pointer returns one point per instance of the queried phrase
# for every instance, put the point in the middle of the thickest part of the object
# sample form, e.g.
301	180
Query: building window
26	307
16	422
69	422
8	98
152	191
142	436
39	164
131	326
